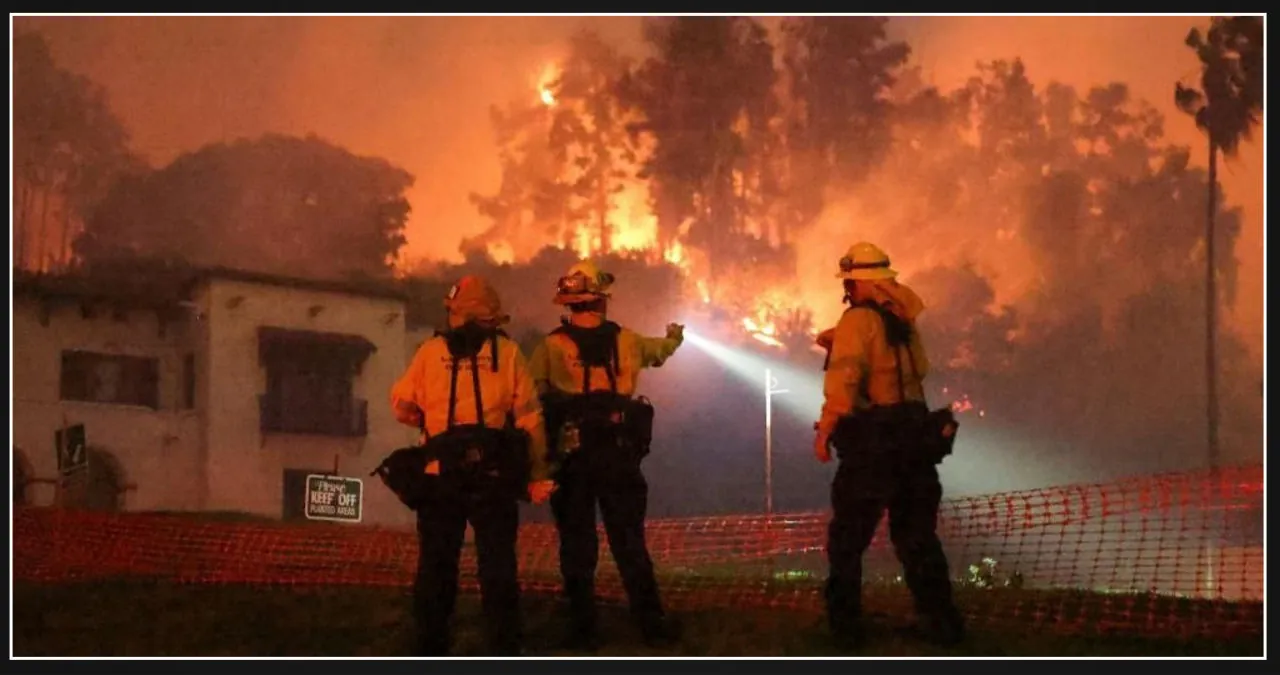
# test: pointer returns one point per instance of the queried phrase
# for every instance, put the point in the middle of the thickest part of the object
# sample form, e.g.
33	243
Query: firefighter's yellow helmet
866	262
583	282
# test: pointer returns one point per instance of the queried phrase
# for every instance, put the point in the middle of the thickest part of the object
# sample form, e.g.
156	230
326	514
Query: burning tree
707	101
568	164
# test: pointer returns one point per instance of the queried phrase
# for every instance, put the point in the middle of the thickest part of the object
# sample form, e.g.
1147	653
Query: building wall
156	449
245	466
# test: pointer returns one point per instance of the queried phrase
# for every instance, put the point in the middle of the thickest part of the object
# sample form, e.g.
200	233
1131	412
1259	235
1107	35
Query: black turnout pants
442	524
882	471
600	475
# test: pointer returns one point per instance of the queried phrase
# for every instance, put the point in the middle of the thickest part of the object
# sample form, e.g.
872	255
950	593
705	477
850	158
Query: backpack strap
611	365
475	379
611	369
453	391
475	383
897	351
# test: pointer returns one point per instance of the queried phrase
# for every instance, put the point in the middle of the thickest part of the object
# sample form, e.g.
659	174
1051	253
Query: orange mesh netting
1164	555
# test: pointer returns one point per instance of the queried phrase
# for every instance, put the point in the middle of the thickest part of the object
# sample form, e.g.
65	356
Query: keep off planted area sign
334	498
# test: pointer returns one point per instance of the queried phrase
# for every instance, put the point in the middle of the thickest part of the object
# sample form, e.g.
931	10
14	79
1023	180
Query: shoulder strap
453	391
475	377
897	362
475	383
610	371
611	367
616	357
897	359
911	358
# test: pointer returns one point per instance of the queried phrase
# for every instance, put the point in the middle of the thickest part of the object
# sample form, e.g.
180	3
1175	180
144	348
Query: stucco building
216	391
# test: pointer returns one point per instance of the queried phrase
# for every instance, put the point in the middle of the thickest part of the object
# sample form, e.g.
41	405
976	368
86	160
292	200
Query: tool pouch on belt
483	460
852	433
939	433
911	425
637	420
604	422
404	473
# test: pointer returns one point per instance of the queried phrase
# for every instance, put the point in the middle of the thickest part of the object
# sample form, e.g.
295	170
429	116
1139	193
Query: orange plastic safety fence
1169	555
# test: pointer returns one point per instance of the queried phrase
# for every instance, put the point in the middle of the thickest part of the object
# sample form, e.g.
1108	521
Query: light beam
804	389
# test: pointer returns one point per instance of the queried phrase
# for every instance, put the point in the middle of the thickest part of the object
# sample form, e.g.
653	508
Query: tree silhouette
68	148
275	204
839	73
1226	108
707	100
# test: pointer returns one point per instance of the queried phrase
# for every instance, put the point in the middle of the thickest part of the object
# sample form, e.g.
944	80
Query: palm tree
1226	108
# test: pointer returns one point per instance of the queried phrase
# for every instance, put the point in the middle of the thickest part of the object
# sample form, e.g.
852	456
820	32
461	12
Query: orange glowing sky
416	90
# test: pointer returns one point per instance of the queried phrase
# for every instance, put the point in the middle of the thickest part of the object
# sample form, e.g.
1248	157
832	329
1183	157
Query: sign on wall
72	448
334	498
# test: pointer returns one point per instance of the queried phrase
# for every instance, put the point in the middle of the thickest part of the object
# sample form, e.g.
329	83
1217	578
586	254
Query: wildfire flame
550	75
763	329
765	338
631	226
675	255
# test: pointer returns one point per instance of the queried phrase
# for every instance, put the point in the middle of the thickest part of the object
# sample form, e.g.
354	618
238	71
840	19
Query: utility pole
770	388
1211	312
1211	359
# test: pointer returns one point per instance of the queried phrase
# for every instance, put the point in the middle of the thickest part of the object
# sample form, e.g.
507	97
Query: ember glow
963	404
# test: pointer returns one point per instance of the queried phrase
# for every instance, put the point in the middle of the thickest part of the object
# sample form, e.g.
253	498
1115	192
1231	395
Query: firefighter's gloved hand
540	490
822	446
675	332
409	414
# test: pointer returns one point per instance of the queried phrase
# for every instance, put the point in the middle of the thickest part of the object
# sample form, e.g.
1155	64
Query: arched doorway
21	477
105	482
97	487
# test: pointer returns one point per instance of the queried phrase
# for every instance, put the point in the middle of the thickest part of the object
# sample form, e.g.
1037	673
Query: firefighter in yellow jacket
587	371
469	389
873	415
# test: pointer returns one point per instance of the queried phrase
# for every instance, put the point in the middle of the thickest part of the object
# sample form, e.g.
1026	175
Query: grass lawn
132	618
